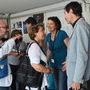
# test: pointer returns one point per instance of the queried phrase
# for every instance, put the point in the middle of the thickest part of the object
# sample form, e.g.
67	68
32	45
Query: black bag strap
40	48
29	46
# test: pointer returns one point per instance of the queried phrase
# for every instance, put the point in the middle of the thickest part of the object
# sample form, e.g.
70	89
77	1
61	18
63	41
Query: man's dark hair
56	21
76	7
16	32
30	20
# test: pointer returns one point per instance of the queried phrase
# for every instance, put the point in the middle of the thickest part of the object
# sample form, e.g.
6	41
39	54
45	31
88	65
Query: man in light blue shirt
78	55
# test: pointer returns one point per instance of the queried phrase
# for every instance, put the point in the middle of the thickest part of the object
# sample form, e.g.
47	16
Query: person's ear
35	34
71	11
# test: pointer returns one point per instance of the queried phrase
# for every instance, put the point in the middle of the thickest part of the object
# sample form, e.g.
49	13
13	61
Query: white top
35	54
5	49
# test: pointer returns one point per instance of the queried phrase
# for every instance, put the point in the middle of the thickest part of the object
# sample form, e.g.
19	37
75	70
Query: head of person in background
16	33
29	23
73	11
3	27
53	24
20	45
38	33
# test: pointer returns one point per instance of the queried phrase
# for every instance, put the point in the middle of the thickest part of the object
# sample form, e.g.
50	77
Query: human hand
75	86
14	53
64	66
49	70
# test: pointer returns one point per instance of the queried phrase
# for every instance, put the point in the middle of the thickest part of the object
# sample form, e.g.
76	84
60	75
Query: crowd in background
67	59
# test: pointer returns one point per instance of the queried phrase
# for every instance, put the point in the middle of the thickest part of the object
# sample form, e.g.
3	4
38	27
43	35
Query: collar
75	22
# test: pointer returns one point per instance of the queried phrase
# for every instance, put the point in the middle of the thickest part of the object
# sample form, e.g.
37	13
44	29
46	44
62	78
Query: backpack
26	74
3	66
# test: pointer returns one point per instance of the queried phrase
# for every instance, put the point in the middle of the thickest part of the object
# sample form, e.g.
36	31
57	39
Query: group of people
69	56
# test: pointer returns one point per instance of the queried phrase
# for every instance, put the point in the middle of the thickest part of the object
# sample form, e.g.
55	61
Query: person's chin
2	34
42	39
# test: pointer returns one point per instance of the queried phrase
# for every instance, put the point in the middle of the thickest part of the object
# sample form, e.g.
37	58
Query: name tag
52	60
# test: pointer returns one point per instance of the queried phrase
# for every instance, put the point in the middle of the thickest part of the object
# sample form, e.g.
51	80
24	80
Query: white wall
51	10
86	11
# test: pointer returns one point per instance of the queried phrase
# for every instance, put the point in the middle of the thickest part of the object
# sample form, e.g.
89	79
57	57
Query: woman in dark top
57	46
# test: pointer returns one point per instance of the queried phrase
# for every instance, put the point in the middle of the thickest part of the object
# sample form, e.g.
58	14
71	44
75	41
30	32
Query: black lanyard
40	47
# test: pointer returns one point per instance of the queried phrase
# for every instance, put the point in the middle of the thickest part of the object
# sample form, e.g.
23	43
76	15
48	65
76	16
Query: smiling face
51	25
3	27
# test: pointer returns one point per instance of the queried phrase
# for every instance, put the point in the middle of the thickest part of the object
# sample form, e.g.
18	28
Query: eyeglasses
3	27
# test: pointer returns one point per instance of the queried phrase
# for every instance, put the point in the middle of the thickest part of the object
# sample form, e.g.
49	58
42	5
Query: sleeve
7	47
82	54
34	54
64	35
